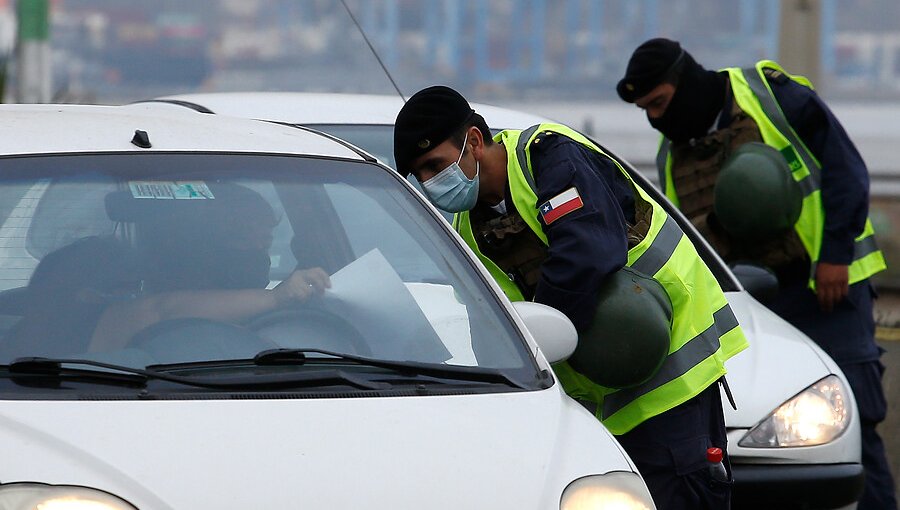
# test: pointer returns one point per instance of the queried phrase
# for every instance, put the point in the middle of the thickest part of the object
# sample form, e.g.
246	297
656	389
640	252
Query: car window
376	139
207	244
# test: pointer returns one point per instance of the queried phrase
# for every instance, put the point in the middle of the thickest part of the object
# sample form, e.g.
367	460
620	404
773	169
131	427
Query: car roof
30	129
321	108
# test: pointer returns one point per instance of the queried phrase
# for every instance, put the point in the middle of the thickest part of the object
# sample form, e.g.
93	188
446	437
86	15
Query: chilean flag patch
561	205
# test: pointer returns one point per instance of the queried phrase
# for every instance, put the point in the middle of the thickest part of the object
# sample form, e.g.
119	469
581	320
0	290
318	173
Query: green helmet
629	336
756	198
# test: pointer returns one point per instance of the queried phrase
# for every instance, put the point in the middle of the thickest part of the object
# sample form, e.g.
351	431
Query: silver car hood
511	450
780	362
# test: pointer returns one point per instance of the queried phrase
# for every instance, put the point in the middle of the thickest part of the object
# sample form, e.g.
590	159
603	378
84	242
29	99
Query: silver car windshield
176	258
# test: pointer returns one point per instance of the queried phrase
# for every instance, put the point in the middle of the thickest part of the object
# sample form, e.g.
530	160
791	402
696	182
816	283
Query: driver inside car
206	259
208	262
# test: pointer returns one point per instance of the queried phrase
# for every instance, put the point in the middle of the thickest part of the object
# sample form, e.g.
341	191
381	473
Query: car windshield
167	258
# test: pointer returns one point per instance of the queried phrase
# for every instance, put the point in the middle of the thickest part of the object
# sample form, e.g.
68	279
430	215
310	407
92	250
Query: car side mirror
552	330
759	281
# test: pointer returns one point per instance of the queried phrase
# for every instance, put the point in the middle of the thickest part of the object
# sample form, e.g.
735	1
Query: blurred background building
116	50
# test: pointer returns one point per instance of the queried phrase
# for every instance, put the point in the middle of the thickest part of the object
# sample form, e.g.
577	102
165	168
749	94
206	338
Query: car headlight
37	496
817	415
619	490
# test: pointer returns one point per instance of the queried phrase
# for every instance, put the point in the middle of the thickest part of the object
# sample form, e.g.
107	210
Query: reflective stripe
662	157
678	363
660	250
810	183
807	185
864	247
861	249
524	136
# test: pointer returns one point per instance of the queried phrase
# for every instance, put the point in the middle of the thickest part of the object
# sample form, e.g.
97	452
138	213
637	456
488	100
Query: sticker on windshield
182	190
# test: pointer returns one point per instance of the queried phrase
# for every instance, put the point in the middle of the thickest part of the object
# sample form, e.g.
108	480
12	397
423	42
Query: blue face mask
450	189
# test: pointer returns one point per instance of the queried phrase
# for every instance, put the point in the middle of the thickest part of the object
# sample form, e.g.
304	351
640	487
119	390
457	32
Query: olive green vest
754	96
705	331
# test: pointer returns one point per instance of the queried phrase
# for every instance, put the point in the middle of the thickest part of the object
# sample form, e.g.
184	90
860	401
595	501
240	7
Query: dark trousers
847	334
670	453
865	380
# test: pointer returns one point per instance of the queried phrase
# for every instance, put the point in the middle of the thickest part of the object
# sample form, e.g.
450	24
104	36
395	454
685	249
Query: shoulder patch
561	205
775	75
542	135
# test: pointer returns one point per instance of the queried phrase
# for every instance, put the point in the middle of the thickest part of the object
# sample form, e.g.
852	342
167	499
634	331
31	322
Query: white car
410	383
794	439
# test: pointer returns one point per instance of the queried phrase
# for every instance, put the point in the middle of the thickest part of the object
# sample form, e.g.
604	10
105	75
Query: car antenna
378	58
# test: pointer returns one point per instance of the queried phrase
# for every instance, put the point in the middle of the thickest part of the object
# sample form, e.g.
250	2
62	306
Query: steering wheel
310	328
190	339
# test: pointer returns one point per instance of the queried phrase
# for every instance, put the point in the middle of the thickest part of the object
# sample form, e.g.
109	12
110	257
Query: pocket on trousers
702	492
719	490
689	455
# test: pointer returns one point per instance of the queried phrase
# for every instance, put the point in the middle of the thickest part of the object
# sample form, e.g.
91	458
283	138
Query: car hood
780	362
516	450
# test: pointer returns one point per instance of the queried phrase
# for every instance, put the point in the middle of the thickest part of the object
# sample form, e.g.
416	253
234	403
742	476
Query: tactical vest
509	242
695	169
754	97
705	331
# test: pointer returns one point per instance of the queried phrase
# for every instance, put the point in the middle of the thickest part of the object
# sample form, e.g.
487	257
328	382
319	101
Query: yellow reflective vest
705	331
754	96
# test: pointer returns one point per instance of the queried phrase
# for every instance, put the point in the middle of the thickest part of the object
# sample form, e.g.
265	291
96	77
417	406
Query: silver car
202	312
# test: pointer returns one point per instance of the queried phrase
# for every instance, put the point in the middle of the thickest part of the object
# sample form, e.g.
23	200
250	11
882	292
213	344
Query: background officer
553	218
824	262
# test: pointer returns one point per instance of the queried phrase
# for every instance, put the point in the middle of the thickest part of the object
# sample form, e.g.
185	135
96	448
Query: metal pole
829	24
33	51
799	47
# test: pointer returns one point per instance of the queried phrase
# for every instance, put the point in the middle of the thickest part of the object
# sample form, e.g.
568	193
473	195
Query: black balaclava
698	99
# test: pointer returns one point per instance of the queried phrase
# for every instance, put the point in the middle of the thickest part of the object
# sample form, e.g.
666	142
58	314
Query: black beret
652	63
428	118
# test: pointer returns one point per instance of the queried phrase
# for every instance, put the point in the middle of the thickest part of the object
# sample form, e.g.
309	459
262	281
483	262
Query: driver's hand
301	285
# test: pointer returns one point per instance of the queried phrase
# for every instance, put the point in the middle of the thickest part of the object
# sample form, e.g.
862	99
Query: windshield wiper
413	368
55	369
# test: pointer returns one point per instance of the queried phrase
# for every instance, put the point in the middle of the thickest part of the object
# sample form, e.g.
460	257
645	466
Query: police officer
824	263
552	217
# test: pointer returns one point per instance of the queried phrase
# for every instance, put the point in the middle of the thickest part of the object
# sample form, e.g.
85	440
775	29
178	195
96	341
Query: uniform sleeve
589	243
845	179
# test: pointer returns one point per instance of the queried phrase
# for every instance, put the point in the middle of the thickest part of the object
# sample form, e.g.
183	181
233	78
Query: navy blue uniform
585	246
847	333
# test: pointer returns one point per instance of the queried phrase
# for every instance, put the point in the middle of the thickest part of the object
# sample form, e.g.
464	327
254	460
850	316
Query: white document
371	295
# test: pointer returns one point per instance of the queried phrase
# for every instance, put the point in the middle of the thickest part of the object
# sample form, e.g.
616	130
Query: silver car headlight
37	496
818	415
618	490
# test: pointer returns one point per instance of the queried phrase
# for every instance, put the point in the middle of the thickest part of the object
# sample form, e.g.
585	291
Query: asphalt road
890	428
888	315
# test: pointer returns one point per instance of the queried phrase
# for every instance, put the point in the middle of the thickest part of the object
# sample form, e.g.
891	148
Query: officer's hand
302	284
832	284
